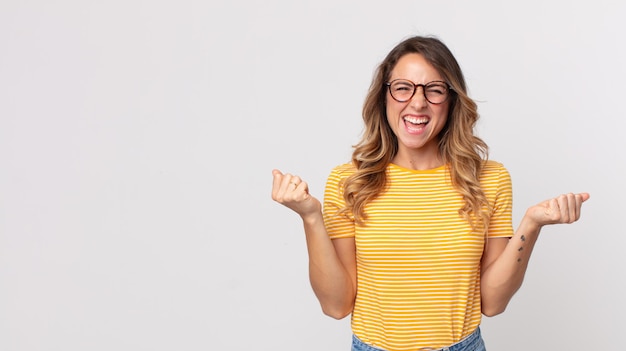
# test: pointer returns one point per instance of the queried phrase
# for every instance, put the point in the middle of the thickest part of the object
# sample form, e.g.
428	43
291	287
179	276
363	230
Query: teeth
416	120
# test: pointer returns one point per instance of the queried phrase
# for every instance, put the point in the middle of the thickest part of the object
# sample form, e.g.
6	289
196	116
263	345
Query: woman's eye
403	88
436	89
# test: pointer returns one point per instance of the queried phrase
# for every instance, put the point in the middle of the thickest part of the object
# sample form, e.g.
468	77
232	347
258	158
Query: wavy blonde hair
464	152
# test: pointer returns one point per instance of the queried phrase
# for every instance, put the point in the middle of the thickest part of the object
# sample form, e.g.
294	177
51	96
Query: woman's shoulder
343	169
492	165
340	172
494	169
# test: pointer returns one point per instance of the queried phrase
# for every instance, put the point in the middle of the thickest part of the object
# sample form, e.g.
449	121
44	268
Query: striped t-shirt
418	260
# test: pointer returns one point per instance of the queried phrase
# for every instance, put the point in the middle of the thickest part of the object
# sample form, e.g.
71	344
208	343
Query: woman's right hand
290	191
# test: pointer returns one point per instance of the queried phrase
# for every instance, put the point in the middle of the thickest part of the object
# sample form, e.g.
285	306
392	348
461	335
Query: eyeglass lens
403	90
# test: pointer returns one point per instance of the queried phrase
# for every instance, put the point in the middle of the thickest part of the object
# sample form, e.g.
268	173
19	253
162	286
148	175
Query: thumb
585	196
277	177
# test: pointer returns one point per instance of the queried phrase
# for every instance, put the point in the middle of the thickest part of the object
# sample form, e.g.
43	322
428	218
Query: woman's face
417	122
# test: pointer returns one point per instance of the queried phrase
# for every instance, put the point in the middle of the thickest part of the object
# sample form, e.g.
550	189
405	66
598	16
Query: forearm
331	280
502	278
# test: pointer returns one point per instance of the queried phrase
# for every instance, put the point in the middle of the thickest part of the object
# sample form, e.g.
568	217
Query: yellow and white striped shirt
418	260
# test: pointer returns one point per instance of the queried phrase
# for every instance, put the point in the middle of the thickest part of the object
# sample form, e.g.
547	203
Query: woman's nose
419	100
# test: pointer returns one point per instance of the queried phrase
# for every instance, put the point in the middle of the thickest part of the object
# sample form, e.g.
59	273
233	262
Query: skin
332	263
505	260
417	144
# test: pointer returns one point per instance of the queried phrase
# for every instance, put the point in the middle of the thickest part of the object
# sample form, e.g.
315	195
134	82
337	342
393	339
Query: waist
472	342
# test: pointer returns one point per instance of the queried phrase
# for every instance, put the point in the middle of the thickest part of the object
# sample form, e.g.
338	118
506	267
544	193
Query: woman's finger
276	183
571	207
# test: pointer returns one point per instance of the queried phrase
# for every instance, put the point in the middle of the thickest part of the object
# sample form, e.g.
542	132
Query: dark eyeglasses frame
415	86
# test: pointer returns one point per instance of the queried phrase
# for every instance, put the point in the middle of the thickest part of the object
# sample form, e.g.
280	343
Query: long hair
464	152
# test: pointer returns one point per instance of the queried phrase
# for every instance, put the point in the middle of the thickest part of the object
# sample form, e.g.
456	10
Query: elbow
493	309
337	308
494	300
337	312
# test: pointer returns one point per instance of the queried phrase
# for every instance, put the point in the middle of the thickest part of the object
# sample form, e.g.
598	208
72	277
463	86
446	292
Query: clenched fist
562	209
292	192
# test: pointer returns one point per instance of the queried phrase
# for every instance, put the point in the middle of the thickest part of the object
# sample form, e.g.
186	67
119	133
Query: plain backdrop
137	140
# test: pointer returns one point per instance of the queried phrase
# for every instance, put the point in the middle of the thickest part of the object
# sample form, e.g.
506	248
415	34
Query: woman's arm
332	263
505	260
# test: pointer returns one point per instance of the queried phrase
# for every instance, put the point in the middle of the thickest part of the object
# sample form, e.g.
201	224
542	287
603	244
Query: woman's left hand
562	209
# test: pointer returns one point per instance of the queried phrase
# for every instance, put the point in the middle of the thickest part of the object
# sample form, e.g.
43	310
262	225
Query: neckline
430	170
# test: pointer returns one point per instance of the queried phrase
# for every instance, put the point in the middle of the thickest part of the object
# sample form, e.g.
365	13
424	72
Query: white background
137	140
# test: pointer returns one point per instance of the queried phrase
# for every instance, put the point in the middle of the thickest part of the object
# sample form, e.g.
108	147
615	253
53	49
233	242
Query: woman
415	237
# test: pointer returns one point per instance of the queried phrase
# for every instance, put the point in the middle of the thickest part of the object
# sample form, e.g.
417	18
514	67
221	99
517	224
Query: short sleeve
337	225
500	193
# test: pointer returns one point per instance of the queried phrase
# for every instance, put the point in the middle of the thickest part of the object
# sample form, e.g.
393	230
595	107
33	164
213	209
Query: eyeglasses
435	92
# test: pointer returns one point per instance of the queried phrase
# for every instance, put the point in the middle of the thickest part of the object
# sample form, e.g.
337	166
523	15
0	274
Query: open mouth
416	121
